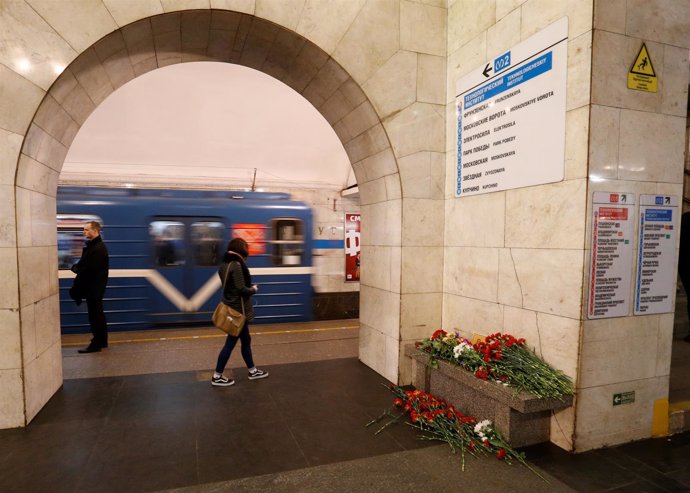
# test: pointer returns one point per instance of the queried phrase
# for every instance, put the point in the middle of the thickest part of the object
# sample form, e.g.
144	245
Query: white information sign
612	253
656	255
511	116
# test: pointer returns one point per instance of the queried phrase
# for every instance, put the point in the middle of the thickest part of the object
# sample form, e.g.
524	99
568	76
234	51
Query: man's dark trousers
97	321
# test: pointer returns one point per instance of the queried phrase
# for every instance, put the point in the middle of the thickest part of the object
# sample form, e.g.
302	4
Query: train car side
165	248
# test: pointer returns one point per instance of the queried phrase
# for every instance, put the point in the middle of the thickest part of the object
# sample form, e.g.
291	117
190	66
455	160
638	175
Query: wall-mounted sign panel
642	76
352	247
656	255
511	116
611	254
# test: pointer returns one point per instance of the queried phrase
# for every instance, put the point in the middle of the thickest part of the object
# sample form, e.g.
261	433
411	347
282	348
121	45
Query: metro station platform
142	416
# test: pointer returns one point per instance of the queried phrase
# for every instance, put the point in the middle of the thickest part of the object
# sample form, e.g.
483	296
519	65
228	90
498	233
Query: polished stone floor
111	428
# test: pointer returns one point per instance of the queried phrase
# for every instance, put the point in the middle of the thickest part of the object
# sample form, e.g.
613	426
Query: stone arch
197	35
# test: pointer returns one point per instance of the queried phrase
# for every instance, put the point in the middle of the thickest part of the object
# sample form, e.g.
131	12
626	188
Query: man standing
92	277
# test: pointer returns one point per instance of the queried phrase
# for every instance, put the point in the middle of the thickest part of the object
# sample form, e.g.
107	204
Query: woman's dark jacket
239	284
91	271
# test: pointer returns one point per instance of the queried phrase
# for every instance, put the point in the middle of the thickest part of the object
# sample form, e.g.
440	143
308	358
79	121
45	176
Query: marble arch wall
375	69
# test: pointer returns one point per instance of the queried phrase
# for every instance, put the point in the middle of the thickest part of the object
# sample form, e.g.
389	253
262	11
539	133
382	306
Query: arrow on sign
624	198
616	399
667	200
487	69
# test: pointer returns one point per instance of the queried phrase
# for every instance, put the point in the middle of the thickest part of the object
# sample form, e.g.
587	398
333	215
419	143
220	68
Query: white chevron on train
202	295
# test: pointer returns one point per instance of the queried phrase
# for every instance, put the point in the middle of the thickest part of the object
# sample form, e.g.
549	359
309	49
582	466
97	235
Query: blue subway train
165	248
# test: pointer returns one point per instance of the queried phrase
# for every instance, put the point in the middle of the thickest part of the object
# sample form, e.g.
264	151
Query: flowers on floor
501	358
441	421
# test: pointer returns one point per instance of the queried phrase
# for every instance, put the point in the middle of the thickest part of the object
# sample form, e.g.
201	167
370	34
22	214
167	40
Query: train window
207	242
70	237
168	243
288	241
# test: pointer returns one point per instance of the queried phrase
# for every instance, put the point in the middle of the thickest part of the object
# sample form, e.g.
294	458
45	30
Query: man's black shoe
90	349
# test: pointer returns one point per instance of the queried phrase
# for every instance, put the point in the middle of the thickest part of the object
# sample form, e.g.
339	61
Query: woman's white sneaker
221	381
256	374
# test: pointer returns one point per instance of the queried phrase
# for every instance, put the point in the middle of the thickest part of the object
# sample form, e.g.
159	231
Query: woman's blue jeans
246	349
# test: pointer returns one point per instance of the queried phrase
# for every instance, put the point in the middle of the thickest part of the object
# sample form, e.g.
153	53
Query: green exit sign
624	398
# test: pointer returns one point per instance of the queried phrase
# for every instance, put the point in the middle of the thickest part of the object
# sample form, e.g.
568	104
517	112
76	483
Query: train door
186	252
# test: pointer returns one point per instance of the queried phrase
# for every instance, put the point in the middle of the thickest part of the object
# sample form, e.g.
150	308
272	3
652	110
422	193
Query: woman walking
238	288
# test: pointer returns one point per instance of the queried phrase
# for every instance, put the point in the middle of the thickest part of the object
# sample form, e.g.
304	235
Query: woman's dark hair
237	245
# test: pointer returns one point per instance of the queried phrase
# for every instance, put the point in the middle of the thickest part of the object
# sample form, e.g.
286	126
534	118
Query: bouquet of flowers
441	421
502	358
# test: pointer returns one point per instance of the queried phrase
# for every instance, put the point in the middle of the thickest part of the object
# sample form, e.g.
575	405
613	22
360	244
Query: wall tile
325	23
80	24
378	165
509	289
367	144
600	424
561	209
373	191
383	223
483	15
8	233
560	338
127	11
471	272
505	7
32	265
361	119
417	20
393	189
285	13
246	6
610	15
604	139
393	86
477	220
376	26
419	127
52	118
579	71
377	271
420	315
651	147
42	378
471	316
28	37
431	72
538	14
422	175
674	87
10	144
10	349
11	399
550	280
422	222
28	332
47	322
19	99
9	295
463	60
422	269
671	27
35	176
372	344
380	309
577	125
503	35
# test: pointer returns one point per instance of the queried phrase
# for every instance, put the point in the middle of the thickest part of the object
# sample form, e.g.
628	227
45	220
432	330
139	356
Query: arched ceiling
208	124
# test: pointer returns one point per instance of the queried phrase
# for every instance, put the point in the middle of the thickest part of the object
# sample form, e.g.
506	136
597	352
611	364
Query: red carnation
501	453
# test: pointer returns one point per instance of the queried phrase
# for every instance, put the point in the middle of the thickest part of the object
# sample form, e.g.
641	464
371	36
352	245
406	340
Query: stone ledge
522	419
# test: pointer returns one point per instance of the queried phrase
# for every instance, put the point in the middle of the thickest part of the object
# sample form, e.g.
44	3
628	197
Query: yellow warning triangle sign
643	63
